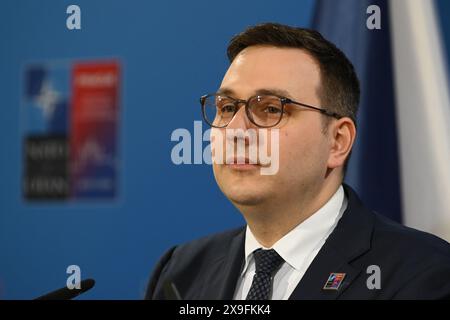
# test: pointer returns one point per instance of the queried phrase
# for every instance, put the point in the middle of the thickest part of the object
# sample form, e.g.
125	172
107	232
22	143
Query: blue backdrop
171	52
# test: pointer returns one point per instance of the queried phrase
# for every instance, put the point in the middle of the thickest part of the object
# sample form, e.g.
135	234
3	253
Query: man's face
303	146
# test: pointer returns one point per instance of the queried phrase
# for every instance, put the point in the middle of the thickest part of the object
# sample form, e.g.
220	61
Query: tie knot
267	261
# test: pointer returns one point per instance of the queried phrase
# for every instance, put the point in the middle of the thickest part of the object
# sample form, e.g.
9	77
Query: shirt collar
295	246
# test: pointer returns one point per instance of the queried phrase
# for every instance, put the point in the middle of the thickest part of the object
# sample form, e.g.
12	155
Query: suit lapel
312	284
222	283
350	239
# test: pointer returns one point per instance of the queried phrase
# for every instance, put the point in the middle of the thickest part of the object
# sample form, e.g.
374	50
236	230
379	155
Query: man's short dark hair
339	91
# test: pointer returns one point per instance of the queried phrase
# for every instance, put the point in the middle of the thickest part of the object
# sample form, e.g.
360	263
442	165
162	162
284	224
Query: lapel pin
334	281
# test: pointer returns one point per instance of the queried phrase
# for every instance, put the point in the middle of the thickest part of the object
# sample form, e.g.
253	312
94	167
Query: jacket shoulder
416	263
216	244
398	237
188	258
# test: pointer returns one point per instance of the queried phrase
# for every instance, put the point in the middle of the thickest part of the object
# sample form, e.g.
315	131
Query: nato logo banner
70	122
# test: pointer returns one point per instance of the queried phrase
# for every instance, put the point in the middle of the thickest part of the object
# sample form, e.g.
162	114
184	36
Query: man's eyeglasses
264	111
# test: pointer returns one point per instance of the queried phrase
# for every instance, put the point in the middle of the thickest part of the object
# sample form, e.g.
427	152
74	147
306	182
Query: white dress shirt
298	248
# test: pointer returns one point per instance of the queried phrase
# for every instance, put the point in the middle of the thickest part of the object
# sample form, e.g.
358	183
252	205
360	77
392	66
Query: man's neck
272	220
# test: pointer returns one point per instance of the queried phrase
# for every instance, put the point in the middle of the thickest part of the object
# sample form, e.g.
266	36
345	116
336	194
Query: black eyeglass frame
284	101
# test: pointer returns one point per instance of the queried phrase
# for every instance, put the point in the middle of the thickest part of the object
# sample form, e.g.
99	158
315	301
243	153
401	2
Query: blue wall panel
171	52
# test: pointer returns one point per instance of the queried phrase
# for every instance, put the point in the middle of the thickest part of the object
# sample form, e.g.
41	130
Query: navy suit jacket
412	264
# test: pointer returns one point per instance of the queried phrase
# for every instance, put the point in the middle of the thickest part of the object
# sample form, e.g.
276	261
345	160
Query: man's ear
342	135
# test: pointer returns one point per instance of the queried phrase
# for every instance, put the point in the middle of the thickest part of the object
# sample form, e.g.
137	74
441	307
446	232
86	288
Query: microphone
170	291
66	293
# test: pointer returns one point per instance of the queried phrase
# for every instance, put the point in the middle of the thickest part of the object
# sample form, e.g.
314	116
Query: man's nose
240	120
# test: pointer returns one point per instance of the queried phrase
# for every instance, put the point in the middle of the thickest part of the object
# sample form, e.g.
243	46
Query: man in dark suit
308	236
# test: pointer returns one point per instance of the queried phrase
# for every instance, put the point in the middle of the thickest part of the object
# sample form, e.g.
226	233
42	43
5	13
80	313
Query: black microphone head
66	293
170	291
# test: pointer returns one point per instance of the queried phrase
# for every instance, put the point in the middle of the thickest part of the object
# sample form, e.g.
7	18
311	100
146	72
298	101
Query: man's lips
243	167
240	160
241	164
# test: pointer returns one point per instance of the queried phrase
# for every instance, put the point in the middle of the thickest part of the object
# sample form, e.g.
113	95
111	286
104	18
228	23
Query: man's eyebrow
262	91
225	91
274	91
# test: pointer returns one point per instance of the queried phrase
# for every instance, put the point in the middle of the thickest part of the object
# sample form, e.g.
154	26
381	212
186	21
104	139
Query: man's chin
247	188
241	197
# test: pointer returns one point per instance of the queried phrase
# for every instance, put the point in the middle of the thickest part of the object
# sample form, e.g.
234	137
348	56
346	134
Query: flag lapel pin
334	281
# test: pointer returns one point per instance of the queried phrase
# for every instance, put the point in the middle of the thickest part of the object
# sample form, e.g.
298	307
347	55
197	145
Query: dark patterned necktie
267	262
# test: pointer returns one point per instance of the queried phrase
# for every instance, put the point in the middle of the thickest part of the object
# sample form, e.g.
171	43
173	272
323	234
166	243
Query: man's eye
228	108
272	109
